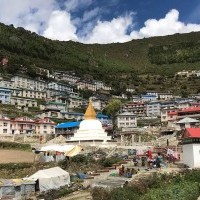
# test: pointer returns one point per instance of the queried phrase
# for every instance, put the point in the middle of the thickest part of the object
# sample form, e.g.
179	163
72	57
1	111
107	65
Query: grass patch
15	166
15	146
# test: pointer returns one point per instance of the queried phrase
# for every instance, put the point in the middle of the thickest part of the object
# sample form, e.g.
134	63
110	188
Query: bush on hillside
108	162
125	193
178	191
100	193
79	159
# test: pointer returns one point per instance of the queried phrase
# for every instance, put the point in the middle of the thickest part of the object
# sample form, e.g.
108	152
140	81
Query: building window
4	130
5	124
45	127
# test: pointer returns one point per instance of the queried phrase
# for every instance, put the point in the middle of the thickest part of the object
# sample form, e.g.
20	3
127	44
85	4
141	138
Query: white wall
191	155
188	155
196	150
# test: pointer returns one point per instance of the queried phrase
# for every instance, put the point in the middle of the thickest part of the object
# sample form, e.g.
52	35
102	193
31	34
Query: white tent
59	148
51	178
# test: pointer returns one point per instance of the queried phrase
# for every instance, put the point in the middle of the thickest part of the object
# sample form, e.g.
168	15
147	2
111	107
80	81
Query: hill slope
124	61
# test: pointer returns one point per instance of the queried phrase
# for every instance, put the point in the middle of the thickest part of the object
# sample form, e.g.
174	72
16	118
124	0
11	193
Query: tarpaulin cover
73	152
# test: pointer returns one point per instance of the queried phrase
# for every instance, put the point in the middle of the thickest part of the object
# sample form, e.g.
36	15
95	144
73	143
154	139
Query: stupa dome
90	124
90	129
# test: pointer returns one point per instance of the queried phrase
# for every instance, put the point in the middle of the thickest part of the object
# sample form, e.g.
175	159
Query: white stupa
90	129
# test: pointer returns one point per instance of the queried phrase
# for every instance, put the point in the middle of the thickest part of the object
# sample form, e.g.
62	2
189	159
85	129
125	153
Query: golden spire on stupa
90	112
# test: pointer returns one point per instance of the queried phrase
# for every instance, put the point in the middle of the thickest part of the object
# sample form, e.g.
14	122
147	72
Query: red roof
172	113
190	109
192	133
184	110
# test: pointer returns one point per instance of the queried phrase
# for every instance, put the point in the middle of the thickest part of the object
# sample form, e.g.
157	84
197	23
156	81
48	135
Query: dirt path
79	195
15	156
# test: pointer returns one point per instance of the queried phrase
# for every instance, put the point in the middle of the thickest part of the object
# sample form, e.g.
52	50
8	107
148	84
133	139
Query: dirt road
15	156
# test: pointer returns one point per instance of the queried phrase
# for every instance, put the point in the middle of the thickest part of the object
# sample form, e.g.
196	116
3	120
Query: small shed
51	178
16	188
191	147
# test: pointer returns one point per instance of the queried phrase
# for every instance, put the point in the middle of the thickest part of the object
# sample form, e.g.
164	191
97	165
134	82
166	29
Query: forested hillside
112	63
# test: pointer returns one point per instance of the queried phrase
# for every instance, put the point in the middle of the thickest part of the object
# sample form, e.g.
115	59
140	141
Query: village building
23	102
191	147
28	83
98	103
137	108
6	84
22	125
104	119
27	93
4	125
131	90
193	112
195	104
181	105
5	95
183	123
189	73
99	84
72	79
153	109
44	126
165	96
51	93
107	88
126	121
74	116
26	125
60	87
183	73
148	97
55	106
61	98
34	94
67	129
75	102
50	113
42	72
89	85
187	123
164	117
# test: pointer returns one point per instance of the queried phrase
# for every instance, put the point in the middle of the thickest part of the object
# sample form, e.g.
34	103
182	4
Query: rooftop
187	120
192	133
68	125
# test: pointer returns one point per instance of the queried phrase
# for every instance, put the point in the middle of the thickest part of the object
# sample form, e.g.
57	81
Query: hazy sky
102	21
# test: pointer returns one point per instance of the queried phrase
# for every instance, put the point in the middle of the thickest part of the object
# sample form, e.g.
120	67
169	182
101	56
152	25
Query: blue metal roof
68	125
100	115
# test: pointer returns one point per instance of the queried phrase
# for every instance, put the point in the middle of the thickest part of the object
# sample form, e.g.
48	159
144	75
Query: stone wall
43	138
